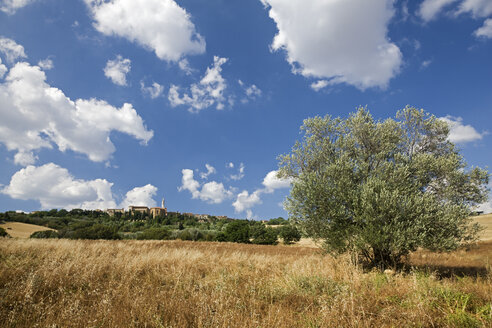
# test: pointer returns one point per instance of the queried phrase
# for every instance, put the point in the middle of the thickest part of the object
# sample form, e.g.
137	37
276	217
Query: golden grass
67	283
486	222
21	230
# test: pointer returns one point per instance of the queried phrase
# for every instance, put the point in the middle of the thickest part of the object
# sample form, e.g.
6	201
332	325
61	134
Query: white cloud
25	158
46	64
211	192
214	193
245	201
140	196
429	9
11	6
240	173
117	69
478	8
460	133
251	92
318	85
154	91
272	182
340	41
36	115
184	65
160	25
189	183
208	92
425	64
486	30
11	50
3	69
230	165
54	187
210	170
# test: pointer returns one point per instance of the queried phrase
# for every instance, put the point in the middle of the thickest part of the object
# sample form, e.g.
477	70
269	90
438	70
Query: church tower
162	204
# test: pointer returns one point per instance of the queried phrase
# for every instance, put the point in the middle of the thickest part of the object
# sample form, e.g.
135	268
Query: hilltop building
113	211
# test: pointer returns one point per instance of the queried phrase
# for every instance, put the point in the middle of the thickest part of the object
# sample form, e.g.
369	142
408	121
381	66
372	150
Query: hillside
21	230
70	283
486	222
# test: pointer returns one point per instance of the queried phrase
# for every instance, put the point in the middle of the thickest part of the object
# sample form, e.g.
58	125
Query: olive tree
382	189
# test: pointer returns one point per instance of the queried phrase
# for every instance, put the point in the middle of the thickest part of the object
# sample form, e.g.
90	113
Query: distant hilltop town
157	212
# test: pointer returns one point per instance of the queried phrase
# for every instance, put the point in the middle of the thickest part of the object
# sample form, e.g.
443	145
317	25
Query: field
486	222
70	283
21	230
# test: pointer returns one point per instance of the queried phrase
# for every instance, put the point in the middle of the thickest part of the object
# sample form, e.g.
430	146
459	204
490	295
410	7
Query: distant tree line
85	224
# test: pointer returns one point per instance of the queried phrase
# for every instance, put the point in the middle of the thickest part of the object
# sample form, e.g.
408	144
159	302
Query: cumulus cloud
160	25
210	170
54	187
140	196
11	6
461	133
117	69
240	173
486	30
429	9
154	91
36	115
272	182
311	35
208	92
3	69
25	158
245	201
46	64
211	192
11	50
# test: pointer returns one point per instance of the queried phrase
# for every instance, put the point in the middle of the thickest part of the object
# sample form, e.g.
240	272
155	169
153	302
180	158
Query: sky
111	103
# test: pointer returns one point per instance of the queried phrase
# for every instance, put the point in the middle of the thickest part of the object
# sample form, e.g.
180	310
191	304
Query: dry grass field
67	283
21	230
486	222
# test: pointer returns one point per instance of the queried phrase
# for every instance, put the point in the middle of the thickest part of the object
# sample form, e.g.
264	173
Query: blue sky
105	104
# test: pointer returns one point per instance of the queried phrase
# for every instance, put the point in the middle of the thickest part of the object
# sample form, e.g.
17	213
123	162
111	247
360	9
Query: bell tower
162	203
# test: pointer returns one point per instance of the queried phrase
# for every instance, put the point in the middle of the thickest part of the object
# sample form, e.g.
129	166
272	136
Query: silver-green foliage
382	188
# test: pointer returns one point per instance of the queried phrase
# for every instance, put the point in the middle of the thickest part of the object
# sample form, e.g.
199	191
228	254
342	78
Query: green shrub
96	231
154	234
3	233
262	235
290	234
237	231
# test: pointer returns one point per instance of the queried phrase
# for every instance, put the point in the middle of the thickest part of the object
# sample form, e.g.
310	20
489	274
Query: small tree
262	235
237	231
382	188
290	234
